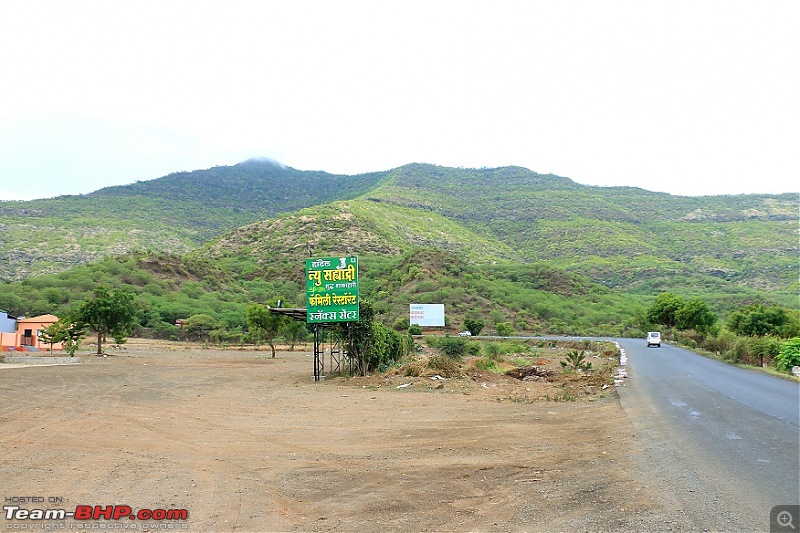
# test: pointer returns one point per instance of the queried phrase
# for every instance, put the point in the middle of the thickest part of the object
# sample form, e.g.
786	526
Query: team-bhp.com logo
95	512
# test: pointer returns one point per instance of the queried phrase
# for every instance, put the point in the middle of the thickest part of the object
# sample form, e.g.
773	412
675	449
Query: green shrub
576	361
387	347
504	329
737	351
453	347
770	346
473	348
721	343
485	364
514	347
492	350
401	324
788	355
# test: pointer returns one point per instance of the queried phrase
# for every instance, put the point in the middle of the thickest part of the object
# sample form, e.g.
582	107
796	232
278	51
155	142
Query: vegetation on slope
530	298
173	214
623	237
533	253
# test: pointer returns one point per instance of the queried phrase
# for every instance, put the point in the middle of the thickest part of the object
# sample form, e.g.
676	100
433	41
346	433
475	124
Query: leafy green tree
264	324
758	320
387	347
53	334
359	336
473	326
370	345
199	326
66	332
664	309
71	331
695	314
107	313
496	316
293	331
504	329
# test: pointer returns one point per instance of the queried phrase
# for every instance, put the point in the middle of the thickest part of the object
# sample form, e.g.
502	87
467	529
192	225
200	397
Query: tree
263	323
108	313
473	326
758	320
52	334
388	346
199	325
72	331
695	314
66	331
359	336
496	316
664	308
371	345
504	329
294	331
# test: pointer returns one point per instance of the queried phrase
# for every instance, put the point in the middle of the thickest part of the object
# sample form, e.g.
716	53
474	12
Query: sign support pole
318	357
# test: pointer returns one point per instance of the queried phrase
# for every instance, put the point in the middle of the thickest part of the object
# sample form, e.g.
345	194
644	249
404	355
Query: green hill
174	214
537	251
621	237
726	249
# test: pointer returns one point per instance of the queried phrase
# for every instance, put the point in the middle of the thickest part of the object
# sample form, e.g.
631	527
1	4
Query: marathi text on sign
332	289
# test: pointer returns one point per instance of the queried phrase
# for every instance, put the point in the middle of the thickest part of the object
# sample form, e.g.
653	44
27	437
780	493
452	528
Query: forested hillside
539	253
621	237
173	214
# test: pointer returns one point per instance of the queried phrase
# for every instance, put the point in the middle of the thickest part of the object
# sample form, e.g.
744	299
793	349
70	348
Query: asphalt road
722	443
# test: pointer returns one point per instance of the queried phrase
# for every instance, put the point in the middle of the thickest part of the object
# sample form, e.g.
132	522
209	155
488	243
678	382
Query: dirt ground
245	442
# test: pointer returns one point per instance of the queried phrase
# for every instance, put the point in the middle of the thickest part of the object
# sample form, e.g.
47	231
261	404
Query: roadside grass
770	370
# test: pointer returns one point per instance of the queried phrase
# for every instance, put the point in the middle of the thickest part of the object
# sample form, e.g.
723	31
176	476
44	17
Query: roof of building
40	318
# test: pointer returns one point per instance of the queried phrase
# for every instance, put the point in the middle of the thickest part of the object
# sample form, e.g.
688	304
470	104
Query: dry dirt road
249	443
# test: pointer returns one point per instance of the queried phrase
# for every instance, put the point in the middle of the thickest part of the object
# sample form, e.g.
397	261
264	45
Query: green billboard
332	289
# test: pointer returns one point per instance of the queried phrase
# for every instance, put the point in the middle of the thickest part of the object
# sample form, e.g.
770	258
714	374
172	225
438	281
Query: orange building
27	334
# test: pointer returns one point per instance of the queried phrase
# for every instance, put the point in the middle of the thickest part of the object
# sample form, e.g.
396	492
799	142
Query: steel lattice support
341	359
319	355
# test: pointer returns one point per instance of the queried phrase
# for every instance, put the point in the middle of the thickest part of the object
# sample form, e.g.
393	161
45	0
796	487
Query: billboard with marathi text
426	314
332	289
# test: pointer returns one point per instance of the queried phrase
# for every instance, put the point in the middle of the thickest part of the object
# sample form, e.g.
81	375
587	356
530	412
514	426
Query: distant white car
653	339
465	334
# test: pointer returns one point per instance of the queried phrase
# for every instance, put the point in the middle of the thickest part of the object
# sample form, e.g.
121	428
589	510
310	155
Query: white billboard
426	314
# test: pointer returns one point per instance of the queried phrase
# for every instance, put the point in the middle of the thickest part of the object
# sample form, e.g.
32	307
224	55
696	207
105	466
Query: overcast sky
687	97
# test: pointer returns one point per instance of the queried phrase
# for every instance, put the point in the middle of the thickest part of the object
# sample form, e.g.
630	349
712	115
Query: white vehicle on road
653	339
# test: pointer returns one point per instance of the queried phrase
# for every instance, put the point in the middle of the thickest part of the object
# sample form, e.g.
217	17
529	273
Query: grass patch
563	394
489	365
771	371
